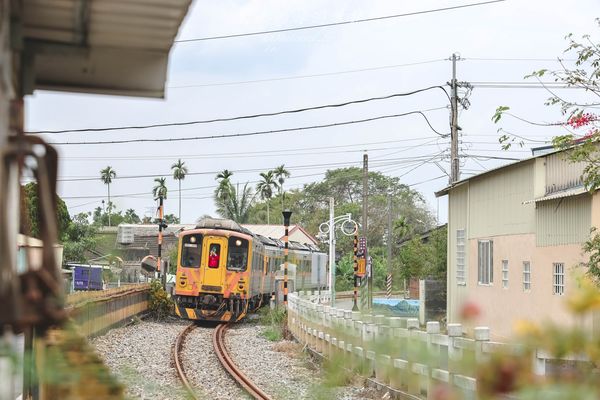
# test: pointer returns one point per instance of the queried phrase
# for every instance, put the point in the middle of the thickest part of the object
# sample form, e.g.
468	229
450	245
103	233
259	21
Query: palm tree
179	172
281	173
232	203
224	191
265	189
160	190
107	175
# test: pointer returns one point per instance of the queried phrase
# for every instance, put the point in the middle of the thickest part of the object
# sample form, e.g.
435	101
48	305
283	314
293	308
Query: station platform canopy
118	47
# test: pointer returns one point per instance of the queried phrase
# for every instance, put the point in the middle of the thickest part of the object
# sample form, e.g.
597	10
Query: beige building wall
503	307
493	207
457	220
496	202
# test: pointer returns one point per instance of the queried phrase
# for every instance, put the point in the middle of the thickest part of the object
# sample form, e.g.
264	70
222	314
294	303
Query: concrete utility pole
365	207
454	162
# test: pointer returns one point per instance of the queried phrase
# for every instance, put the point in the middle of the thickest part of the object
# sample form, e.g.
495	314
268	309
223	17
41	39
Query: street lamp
348	227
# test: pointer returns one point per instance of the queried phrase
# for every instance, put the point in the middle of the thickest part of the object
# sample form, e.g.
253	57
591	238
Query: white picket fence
393	350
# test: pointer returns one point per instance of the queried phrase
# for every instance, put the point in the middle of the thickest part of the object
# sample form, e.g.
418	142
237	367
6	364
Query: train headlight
238	242
193	239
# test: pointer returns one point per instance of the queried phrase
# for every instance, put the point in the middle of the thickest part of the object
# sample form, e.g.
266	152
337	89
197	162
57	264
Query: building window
486	267
526	275
460	256
558	287
505	274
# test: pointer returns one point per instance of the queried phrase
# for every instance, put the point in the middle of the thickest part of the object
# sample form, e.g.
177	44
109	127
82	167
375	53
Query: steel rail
231	368
177	360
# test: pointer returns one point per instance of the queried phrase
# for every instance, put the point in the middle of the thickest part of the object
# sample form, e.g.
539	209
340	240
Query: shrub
160	304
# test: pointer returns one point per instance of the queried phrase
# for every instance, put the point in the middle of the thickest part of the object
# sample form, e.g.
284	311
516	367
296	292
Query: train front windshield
191	250
237	259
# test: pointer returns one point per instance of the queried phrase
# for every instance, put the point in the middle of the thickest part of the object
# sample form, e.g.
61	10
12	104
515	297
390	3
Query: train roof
227	224
222	223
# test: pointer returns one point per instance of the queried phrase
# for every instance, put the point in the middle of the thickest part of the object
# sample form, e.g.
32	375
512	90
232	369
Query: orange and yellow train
225	271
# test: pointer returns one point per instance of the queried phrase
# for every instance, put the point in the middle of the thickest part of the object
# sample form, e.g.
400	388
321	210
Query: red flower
469	311
583	119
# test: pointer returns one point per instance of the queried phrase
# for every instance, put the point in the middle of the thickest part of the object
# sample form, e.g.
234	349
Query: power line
377	164
237	118
257	153
293	77
304	166
266	132
516	59
356	21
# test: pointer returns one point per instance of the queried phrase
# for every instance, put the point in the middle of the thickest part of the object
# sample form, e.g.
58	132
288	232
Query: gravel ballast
281	369
140	356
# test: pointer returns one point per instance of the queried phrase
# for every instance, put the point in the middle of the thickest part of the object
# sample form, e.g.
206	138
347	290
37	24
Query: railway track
231	368
179	365
220	349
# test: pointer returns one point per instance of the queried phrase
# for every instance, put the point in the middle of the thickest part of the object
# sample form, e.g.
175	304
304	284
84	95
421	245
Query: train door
214	259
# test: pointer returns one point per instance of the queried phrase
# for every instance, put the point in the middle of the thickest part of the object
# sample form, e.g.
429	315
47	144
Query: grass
275	322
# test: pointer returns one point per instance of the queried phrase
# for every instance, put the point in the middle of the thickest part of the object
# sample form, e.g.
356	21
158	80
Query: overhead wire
376	163
242	117
305	166
339	23
260	133
259	153
318	75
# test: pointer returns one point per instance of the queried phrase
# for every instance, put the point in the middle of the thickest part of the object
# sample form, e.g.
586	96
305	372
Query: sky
497	43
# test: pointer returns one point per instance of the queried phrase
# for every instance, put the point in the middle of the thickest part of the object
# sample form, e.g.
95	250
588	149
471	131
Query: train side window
265	265
237	259
191	250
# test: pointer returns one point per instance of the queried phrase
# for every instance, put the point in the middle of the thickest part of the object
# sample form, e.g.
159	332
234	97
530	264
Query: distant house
135	242
296	233
514	238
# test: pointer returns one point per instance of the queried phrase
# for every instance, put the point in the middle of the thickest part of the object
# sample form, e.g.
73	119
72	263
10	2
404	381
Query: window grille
460	256
526	275
558	286
485	257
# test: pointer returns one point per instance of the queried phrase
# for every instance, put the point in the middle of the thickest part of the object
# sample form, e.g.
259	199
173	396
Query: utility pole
389	248
331	252
161	225
364	226
454	162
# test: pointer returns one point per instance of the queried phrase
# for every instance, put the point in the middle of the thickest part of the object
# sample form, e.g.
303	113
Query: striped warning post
388	286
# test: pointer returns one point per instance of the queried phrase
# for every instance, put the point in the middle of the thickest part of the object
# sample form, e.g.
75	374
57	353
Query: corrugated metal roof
109	42
559	195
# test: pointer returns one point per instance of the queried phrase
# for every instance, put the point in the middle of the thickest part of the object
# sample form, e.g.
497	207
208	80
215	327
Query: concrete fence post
482	335
454	353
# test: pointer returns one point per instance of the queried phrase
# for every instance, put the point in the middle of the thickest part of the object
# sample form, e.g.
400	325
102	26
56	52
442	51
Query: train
224	271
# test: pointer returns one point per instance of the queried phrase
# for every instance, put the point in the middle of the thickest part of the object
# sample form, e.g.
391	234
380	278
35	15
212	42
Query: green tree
80	237
223	192
281	174
179	173
236	204
160	189
106	176
264	189
168	219
32	212
131	217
